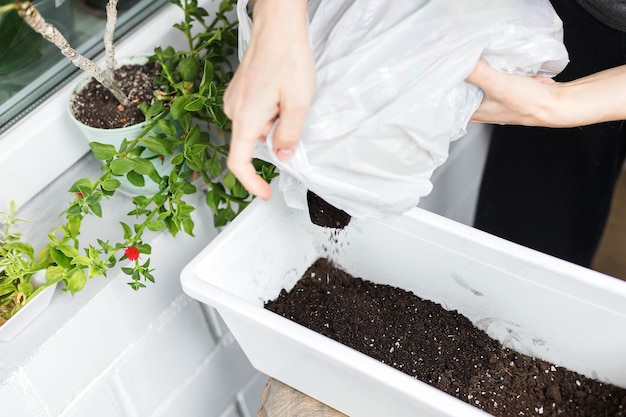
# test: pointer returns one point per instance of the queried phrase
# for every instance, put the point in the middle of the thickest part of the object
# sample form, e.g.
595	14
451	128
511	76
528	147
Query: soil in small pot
441	348
95	106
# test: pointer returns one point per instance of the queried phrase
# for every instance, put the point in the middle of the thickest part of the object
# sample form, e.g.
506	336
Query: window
32	68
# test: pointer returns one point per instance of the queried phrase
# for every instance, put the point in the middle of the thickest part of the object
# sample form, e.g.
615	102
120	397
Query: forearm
537	101
593	99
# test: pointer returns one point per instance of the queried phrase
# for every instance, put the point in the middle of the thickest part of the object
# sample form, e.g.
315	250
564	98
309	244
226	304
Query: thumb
288	132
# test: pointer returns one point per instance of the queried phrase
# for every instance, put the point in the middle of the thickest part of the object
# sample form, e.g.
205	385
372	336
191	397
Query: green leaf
60	259
188	188
160	199
81	185
194	136
230	180
167	126
111	184
155	225
96	208
157	146
213	199
74	209
76	282
128	232
141	201
188	226
143	166
207	76
68	250
73	226
54	273
121	166
81	260
136	179
101	151
178	159
215	166
146	249
223	216
195	105
240	191
178	106
172	226
21	247
189	68
26	288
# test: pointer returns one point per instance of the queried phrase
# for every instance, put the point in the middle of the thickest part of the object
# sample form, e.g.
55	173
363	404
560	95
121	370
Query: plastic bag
391	94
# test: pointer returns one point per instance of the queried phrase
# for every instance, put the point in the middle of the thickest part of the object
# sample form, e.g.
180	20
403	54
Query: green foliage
17	265
185	122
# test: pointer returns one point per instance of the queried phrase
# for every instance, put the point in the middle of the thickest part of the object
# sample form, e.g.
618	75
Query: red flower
80	195
132	253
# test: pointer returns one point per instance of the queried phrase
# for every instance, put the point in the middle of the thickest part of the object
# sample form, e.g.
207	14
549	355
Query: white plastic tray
537	304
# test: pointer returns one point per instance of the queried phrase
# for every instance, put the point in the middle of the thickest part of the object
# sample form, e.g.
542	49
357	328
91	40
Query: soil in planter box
440	347
95	106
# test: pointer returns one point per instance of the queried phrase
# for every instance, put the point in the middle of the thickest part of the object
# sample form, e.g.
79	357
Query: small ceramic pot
115	137
30	311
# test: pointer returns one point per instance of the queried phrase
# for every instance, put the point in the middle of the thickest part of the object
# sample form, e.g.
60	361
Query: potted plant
559	315
184	122
24	289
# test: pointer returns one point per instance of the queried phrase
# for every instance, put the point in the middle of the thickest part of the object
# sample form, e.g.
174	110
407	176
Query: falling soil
441	348
95	106
324	214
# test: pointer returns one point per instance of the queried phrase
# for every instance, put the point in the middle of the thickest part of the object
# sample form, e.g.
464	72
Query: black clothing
551	189
609	12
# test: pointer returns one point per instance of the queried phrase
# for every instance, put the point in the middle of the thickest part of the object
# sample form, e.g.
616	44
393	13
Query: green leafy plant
17	265
185	121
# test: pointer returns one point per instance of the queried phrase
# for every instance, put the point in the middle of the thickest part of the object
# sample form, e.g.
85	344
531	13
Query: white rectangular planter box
537	304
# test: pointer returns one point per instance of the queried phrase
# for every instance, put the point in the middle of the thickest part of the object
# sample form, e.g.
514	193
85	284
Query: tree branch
33	18
109	49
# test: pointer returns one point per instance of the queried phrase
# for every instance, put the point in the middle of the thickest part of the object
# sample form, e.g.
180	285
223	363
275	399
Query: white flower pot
115	137
30	311
556	311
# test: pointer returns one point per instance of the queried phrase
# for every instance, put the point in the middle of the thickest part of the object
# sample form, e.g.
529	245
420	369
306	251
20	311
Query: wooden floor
611	256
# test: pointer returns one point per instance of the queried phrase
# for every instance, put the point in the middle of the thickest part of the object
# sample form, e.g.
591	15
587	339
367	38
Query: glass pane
31	68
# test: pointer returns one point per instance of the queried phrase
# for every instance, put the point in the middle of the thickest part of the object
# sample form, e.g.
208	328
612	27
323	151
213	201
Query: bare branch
109	49
33	18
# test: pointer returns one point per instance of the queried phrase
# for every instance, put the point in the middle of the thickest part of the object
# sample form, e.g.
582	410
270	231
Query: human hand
276	77
513	99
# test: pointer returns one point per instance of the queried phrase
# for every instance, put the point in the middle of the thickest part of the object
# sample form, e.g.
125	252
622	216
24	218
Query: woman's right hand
276	78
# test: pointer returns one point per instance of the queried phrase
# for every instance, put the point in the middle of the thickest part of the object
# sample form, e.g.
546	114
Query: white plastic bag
391	94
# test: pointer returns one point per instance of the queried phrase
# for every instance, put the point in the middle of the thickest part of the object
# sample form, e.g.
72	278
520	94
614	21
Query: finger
289	130
240	163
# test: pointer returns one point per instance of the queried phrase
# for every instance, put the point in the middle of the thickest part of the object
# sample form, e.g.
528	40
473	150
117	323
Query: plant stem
33	18
111	21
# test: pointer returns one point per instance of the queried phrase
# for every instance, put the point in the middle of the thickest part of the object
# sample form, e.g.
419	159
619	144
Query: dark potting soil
324	214
439	347
95	106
